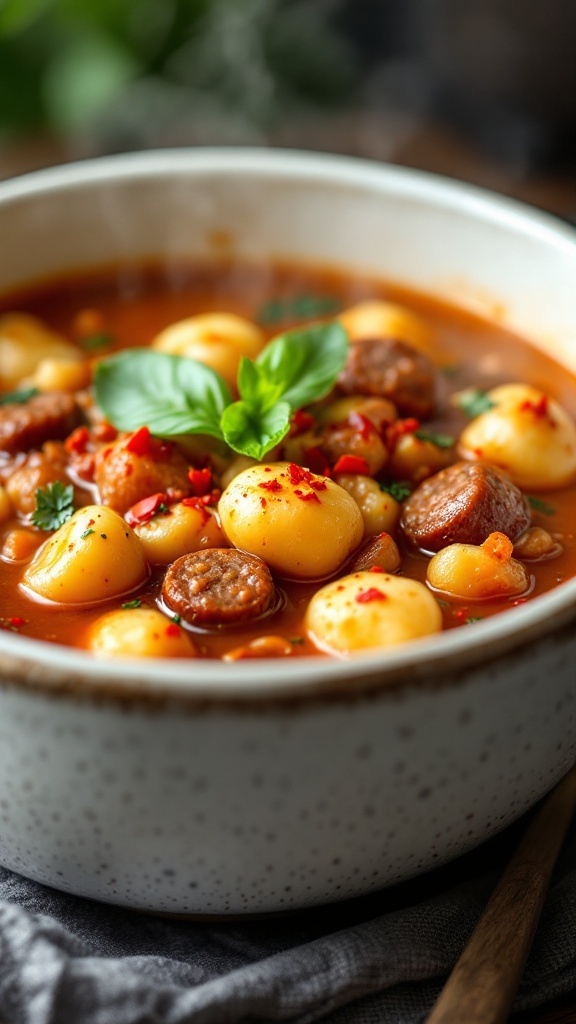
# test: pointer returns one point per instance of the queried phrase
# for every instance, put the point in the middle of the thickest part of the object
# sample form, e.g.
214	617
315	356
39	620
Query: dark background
483	90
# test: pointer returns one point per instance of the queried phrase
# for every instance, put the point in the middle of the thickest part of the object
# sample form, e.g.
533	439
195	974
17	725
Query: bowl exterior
271	801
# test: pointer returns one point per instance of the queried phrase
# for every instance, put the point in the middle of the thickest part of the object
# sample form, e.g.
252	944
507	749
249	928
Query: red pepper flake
297	473
16	621
77	441
352	464
263	502
199	501
318	485
271	485
396	430
105	432
461	614
172	629
538	408
361	424
140	443
376	568
372	594
300	422
146	509
201	480
307	496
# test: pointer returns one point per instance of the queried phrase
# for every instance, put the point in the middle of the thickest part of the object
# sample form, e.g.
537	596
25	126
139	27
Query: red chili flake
307	496
146	509
271	485
172	629
361	424
538	408
300	422
397	429
316	461
104	431
318	485
372	594
77	441
461	613
263	502
297	473
352	464
91	522
16	621
140	443
201	480
376	568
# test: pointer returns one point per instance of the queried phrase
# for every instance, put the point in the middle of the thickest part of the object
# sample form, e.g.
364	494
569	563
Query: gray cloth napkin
382	958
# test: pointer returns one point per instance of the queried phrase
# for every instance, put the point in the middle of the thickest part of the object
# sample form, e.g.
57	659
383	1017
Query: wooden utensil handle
482	985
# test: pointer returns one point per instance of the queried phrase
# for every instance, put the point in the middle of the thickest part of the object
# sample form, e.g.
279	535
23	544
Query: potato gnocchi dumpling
380	511
217	339
24	342
377	319
92	557
527	434
304	526
478	572
139	633
371	610
183	528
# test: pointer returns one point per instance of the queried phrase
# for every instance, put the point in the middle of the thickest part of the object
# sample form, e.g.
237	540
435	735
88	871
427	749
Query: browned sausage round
394	370
463	504
123	477
218	586
42	418
380	552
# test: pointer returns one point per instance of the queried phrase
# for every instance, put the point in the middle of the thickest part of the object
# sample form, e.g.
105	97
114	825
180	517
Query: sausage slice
463	504
391	369
47	417
218	586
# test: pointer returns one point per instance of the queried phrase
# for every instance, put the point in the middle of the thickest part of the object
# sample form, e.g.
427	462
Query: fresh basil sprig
174	395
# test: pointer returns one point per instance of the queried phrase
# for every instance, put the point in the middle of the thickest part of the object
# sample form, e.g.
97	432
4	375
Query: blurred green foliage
131	69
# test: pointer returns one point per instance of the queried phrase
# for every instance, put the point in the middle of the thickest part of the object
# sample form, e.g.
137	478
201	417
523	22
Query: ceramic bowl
263	786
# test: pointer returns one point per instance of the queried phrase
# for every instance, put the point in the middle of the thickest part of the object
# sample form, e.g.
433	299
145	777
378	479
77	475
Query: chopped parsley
474	618
19	396
541	506
300	306
54	506
86	533
440	440
177	619
135	603
473	402
396	490
95	342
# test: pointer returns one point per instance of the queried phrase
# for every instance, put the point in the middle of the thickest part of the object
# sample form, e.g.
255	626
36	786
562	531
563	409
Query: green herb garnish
173	395
135	603
177	619
86	533
19	396
473	618
440	440
296	640
54	506
473	402
304	306
94	342
396	490
541	506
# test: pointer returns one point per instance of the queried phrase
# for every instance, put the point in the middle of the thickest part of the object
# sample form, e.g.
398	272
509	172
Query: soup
391	467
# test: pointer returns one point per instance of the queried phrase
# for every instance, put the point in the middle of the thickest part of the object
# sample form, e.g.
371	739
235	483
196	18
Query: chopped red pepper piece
398	429
352	464
77	441
201	480
307	496
372	594
300	422
146	509
172	629
140	443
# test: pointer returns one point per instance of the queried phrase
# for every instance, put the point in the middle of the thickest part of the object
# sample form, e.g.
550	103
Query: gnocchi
371	610
479	571
139	633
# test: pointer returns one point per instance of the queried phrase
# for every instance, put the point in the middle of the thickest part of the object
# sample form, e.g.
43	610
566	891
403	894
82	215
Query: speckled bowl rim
441	659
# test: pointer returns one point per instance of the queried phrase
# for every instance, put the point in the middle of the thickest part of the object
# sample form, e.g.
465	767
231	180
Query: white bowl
259	786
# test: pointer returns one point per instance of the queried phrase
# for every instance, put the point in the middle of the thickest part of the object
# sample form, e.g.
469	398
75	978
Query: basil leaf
170	394
305	363
18	397
440	440
254	386
473	402
255	432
